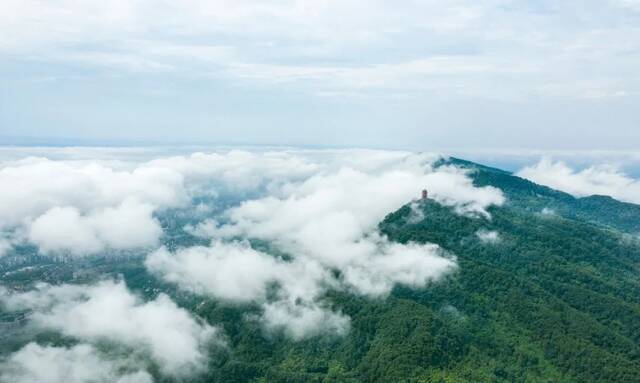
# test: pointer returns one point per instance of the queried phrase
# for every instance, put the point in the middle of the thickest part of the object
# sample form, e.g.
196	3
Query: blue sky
425	75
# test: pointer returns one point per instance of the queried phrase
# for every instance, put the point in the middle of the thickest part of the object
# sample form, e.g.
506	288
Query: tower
425	194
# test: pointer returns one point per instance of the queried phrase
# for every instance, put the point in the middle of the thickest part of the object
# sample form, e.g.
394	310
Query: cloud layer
421	74
487	236
325	226
108	311
81	207
317	211
128	225
333	47
594	180
77	364
283	228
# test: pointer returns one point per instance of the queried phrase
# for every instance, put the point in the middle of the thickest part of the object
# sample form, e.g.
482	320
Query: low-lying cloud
317	211
594	180
5	246
128	225
108	311
81	207
488	236
78	364
326	226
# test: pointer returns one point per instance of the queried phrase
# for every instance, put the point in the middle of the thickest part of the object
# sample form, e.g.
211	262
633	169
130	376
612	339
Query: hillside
526	195
552	299
555	298
547	290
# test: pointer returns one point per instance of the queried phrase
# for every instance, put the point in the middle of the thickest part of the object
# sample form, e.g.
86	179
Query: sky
416	75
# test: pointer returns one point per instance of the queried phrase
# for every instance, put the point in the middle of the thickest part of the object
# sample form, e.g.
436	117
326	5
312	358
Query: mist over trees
320	267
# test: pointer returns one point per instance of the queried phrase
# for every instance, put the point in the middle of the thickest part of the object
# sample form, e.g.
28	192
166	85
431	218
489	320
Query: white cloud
230	271
129	225
399	75
86	206
417	214
237	170
410	265
78	364
631	4
546	212
32	186
5	246
595	180
325	222
236	272
82	206
471	48
301	320
451	186
108	311
320	208
487	236
339	207
330	23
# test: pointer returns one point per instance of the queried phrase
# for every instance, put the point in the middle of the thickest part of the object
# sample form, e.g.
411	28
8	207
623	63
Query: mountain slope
547	290
529	196
550	292
552	298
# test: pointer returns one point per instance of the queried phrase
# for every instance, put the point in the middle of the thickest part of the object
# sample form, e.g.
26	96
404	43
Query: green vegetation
555	298
531	197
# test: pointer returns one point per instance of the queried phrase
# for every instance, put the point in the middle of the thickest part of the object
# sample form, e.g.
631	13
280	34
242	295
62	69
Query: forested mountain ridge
546	289
524	194
558	287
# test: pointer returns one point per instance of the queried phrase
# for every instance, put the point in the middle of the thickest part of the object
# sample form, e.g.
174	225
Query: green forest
555	299
552	296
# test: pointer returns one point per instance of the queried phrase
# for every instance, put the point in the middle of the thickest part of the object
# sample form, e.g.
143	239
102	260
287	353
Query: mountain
553	297
547	289
526	195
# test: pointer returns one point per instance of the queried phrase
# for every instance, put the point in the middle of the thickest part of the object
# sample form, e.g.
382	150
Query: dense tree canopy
547	289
